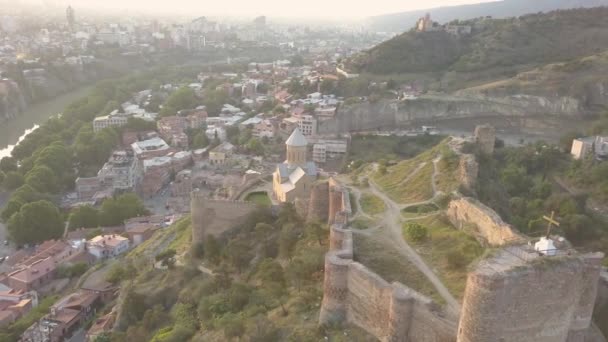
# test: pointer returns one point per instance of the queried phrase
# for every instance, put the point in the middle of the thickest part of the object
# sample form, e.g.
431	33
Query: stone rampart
468	170
318	206
542	300
329	202
390	312
215	217
489	228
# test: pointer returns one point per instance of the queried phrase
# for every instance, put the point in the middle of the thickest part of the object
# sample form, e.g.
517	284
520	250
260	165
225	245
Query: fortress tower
519	296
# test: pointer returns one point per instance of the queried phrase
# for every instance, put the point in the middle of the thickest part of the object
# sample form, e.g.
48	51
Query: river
15	130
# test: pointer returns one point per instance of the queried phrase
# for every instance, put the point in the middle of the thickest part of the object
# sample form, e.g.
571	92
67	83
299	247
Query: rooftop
107	240
153	144
296	139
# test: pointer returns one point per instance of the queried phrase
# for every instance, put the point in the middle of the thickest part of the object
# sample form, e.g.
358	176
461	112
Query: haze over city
333	9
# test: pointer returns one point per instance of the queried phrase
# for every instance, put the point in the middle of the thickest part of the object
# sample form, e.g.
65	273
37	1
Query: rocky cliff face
390	114
12	101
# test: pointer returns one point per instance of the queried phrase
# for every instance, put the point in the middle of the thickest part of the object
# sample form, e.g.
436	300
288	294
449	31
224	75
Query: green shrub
416	232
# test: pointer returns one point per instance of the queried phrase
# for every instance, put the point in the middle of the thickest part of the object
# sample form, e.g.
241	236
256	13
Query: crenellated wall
391	312
215	217
490	229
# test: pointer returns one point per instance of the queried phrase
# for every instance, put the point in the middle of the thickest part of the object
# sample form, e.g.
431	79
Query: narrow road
392	220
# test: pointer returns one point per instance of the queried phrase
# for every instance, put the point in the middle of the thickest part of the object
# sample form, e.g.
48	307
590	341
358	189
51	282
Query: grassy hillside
398	22
512	43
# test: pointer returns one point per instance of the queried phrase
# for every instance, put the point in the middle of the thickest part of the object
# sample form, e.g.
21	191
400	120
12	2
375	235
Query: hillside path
393	220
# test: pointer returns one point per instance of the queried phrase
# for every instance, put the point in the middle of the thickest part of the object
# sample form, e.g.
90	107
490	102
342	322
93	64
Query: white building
307	125
107	246
151	147
102	122
328	149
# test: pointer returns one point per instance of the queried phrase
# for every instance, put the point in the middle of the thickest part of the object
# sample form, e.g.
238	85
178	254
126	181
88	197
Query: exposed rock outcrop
393	113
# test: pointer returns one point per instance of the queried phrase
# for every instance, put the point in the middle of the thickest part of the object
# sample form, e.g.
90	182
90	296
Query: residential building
220	154
171	129
155	147
102	122
266	128
122	172
15	304
307	125
294	178
101	325
107	246
584	147
328	149
34	276
140	233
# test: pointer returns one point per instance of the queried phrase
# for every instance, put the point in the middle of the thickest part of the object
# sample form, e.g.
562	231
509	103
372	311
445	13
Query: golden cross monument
551	221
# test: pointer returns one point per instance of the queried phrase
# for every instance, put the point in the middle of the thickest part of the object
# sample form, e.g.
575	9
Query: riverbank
13	130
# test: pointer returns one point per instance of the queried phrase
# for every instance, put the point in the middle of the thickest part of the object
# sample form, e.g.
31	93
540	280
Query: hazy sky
272	8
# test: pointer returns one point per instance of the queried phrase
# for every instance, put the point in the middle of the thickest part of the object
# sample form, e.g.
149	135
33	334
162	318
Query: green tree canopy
114	211
83	217
42	179
183	98
12	180
36	222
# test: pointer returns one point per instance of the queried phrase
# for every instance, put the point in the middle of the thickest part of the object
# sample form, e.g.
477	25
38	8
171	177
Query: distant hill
400	22
502	47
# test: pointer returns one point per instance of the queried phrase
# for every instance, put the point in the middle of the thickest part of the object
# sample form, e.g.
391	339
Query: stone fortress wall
512	296
391	312
543	299
353	293
489	228
329	202
214	217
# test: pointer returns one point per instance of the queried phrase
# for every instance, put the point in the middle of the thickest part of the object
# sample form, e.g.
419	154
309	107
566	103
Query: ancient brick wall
485	137
544	300
391	312
318	207
489	227
329	202
216	216
468	170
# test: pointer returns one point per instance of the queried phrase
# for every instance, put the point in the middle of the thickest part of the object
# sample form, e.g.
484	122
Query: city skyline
271	8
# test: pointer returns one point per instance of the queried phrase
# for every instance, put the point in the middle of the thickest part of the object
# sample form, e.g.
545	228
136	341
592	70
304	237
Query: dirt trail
393	220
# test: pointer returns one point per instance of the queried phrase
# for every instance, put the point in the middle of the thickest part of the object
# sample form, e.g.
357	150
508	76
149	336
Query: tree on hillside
8	164
114	211
238	254
270	271
183	98
35	222
212	249
316	231
200	140
12	180
83	217
42	179
416	232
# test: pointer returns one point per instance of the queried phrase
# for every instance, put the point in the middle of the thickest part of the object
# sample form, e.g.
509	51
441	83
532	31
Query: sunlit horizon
336	10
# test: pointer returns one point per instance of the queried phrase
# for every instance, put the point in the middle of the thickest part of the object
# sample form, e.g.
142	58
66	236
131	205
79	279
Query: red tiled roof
38	269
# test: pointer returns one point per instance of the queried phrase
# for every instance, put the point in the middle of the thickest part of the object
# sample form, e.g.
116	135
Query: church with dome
294	178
